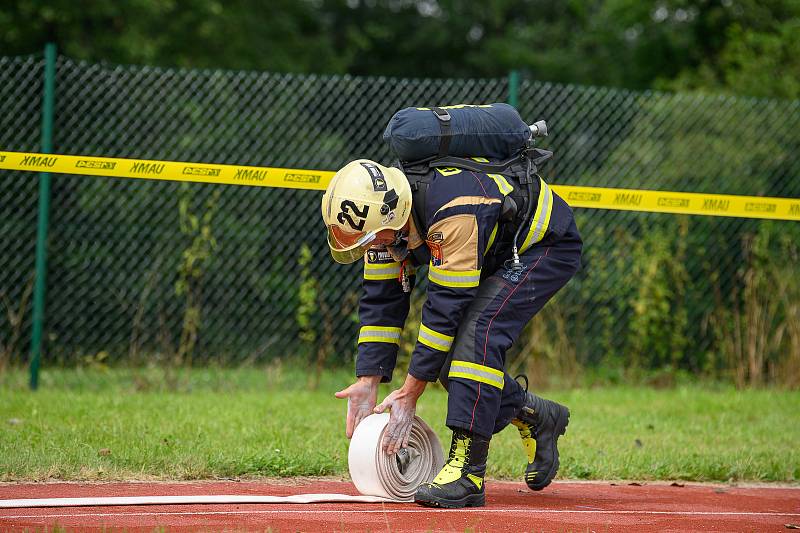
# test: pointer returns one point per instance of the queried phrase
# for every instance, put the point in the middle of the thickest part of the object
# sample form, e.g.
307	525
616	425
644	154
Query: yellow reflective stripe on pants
434	339
381	271
387	334
541	217
449	278
476	372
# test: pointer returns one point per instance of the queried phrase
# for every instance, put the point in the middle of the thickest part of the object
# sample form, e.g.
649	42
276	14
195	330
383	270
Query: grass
125	424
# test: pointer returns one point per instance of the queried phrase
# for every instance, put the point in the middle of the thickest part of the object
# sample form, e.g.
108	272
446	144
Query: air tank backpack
490	138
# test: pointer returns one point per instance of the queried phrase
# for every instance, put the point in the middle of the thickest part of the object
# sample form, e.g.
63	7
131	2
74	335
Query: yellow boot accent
527	439
475	479
455	464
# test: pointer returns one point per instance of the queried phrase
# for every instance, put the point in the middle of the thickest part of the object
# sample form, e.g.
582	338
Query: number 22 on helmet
362	199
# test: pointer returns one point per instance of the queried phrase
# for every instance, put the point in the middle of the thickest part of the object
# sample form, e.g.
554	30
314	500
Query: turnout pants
482	397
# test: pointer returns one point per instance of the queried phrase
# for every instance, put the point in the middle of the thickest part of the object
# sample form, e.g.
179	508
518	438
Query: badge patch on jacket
434	243
379	256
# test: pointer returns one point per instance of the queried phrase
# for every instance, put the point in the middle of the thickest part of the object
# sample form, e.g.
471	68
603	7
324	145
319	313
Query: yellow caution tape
592	197
688	203
167	170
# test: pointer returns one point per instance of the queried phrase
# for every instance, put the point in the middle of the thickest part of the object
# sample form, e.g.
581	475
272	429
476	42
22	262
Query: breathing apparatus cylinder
494	131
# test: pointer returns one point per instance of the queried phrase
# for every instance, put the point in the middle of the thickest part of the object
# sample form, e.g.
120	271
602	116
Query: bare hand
361	398
402	404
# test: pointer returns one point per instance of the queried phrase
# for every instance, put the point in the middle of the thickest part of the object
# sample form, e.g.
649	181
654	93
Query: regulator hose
514	264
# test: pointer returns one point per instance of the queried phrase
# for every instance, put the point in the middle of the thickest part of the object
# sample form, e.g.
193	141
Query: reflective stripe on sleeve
381	271
379	334
476	372
449	278
434	339
541	218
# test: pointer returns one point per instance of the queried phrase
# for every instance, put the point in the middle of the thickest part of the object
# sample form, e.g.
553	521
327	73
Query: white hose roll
396	477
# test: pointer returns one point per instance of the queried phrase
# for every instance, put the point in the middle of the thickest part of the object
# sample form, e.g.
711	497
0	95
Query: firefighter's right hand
361	399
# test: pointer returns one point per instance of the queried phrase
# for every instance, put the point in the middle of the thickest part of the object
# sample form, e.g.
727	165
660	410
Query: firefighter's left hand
402	404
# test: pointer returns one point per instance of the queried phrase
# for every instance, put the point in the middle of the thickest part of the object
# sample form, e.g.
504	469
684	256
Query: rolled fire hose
395	477
377	476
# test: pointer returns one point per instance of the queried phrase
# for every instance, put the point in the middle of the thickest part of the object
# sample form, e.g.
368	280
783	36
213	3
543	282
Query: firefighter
477	304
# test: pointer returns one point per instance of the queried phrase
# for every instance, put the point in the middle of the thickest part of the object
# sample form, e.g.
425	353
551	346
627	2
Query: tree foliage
745	46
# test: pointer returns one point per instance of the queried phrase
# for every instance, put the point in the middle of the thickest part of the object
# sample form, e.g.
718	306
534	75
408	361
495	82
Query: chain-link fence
153	271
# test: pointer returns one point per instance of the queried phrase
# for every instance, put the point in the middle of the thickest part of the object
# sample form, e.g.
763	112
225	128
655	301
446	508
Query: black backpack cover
494	131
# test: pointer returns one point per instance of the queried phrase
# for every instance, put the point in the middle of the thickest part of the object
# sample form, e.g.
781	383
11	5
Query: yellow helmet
362	199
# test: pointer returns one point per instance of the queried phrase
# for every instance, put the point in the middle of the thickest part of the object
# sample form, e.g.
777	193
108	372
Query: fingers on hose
390	447
397	442
388	438
403	434
390	444
396	437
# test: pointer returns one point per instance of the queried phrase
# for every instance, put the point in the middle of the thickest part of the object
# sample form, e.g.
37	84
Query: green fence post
40	286
513	87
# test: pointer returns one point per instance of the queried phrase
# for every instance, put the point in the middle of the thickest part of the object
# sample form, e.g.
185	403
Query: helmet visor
347	247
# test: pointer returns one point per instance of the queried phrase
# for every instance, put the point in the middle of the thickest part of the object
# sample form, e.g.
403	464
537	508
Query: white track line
427	511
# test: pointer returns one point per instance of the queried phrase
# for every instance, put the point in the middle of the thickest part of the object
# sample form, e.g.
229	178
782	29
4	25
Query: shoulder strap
419	178
537	156
470	164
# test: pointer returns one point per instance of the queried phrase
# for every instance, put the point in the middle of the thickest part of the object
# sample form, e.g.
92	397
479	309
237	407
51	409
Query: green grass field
123	424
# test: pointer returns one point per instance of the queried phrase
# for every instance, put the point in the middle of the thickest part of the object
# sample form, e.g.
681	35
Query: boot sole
473	500
561	428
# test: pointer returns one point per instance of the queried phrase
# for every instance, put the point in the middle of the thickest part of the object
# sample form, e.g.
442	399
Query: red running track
563	506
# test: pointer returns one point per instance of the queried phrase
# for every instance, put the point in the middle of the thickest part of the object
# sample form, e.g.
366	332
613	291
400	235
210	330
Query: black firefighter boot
460	483
540	423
